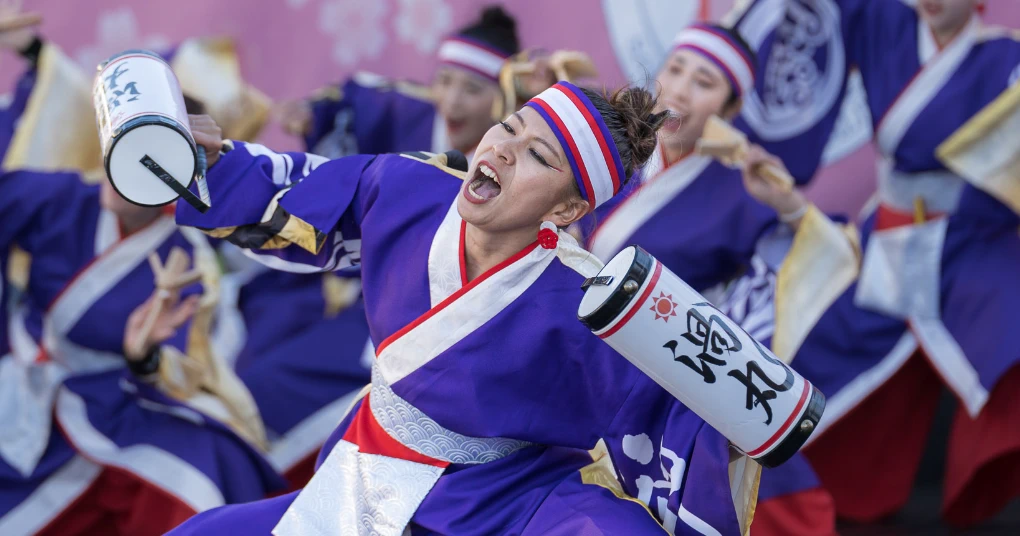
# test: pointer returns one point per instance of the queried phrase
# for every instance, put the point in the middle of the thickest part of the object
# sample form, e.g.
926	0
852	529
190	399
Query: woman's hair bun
495	28
497	17
628	113
636	106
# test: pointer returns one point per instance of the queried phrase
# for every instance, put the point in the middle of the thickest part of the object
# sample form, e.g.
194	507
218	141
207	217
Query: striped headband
585	139
721	50
472	55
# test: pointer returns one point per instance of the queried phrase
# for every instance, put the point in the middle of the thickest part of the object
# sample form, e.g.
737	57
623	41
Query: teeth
472	188
489	172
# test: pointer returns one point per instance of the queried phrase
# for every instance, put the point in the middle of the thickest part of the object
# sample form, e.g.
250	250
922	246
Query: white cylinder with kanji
149	152
675	336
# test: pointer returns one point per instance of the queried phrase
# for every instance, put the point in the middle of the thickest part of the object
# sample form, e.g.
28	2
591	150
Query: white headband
585	139
473	56
721	50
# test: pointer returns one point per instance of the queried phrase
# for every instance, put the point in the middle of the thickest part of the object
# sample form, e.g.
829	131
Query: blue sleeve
35	207
294	211
325	109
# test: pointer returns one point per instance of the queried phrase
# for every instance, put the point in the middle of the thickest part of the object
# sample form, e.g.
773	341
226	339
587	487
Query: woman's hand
208	135
295	116
539	79
788	203
160	315
18	38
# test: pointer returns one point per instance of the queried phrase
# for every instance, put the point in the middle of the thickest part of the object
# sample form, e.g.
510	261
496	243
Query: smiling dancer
689	210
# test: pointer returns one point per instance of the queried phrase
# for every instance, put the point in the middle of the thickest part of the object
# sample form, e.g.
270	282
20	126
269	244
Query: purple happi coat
939	253
916	95
71	409
485	394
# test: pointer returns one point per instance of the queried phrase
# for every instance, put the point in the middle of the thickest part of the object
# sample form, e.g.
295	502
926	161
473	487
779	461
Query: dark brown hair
496	28
628	115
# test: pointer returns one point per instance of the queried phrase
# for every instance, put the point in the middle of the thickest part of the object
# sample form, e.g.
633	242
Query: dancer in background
270	325
695	216
371	115
689	210
932	305
100	436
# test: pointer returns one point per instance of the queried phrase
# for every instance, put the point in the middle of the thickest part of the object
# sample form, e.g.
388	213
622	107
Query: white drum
150	154
703	358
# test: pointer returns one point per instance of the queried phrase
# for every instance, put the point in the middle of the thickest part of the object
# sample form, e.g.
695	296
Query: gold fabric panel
822	263
58	128
209	70
985	151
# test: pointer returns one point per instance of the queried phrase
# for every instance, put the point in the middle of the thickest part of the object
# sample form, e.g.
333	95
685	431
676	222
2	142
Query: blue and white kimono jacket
486	394
939	254
70	407
918	96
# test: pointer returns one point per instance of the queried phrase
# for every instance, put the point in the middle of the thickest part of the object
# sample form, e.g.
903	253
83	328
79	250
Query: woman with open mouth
687	209
487	392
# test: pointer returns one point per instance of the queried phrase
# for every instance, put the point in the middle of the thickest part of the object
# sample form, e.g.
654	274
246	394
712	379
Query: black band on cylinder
800	433
639	270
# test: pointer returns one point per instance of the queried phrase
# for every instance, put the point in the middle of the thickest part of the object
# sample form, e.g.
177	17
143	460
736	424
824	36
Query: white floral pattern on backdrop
116	30
356	28
423	23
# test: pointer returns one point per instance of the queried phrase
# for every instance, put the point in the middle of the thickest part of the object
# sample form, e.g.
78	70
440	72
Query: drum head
606	299
167	146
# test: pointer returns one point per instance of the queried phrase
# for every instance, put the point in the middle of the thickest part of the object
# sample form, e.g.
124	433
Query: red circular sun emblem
664	306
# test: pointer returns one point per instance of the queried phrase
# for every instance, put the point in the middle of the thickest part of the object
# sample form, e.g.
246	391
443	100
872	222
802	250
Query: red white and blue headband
721	50
585	139
472	55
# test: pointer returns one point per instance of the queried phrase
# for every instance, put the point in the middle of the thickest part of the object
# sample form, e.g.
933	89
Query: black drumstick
192	199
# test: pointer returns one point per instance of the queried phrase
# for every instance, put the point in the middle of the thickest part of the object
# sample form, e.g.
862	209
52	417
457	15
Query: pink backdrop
291	47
